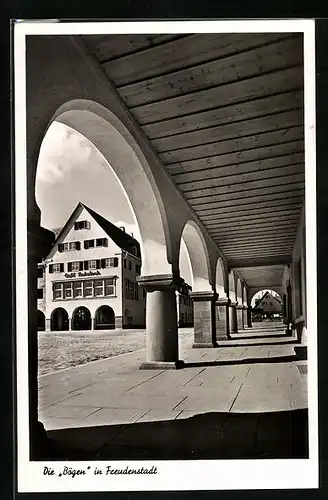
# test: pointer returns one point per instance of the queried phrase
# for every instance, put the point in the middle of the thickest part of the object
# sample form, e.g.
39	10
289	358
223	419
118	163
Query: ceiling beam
251	262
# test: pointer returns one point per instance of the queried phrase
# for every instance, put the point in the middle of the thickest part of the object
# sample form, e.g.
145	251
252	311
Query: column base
205	345
162	365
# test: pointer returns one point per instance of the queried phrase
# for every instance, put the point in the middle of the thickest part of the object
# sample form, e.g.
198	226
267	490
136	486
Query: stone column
70	324
48	325
233	328
222	318
204	319
161	322
39	243
249	317
239	308
245	323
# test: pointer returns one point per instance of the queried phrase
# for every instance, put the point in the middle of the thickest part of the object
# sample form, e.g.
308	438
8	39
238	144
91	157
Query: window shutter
78	245
81	265
86	265
105	242
103	263
60	247
69	266
51	268
115	262
61	267
86	245
98	264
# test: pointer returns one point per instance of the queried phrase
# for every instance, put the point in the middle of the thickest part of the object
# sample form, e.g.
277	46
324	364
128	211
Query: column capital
160	282
233	303
223	301
202	296
245	306
239	306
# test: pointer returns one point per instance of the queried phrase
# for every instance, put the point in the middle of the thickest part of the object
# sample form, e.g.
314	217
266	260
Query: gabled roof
120	237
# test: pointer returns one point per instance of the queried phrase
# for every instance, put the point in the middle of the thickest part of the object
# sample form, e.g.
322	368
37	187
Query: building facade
268	306
185	307
89	279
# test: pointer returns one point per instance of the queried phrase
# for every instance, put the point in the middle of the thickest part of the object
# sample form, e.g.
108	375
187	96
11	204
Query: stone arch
122	153
254	291
104	318
41	321
81	318
59	320
220	282
232	286
198	254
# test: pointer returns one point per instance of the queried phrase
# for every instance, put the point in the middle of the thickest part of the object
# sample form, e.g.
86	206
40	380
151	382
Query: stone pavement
245	399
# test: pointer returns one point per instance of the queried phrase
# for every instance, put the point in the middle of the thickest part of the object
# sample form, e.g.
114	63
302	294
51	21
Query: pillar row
233	327
161	321
204	319
222	318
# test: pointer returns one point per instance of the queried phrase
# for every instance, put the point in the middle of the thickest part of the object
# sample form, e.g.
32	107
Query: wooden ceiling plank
240	169
239	129
225	114
232	146
273	57
240	91
181	53
226	215
245	186
108	47
237	160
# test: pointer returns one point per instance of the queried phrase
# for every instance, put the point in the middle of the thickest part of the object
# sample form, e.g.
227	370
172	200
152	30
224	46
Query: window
92	264
98	288
40	271
87	288
75	266
101	242
77	289
124	260
109	262
131	290
89	244
70	246
130	265
109	286
56	268
82	224
68	290
138	269
40	293
58	290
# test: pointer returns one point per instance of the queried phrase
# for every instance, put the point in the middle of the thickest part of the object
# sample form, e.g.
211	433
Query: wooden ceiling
225	114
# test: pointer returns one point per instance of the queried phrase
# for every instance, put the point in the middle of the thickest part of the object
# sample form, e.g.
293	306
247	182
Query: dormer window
82	224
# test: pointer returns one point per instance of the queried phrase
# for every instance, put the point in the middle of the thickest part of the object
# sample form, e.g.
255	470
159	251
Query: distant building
89	278
268	305
185	307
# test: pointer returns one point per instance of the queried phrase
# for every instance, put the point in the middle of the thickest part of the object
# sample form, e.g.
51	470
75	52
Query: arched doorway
59	320
267	305
104	318
81	319
41	321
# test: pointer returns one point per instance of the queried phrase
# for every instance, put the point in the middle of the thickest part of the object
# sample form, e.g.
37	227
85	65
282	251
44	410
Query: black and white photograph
165	255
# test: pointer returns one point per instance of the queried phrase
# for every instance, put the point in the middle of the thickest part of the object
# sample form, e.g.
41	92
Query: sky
71	169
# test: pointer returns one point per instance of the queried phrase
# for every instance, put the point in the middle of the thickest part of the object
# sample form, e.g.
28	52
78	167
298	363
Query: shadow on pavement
259	337
255	344
243	361
214	435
